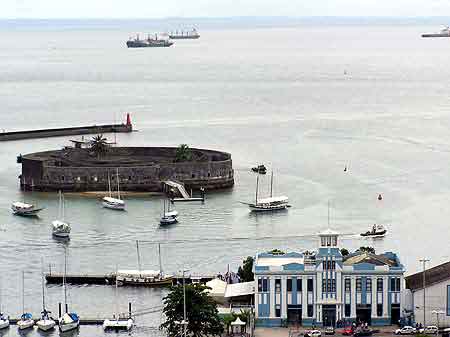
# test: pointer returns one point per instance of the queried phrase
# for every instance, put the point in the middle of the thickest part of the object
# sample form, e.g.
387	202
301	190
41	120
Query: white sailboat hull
4	323
45	324
68	326
120	324
267	208
114	206
25	324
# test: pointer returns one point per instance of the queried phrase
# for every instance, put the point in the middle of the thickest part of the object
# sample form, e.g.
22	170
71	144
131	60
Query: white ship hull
4	323
68	326
258	208
121	324
25	324
45	324
117	207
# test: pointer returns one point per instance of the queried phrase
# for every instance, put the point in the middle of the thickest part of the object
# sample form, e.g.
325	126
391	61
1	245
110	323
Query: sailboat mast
64	280
118	184
159	257
271	185
257	187
59	205
23	292
63	208
42	280
109	185
138	257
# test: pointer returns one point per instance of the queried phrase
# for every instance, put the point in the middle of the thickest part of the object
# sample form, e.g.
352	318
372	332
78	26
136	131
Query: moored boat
377	231
118	324
261	169
24	209
60	228
69	320
443	33
268	204
46	322
114	203
169	217
4	319
26	320
149	42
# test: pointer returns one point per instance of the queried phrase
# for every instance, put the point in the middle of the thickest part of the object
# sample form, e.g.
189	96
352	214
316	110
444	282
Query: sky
11	9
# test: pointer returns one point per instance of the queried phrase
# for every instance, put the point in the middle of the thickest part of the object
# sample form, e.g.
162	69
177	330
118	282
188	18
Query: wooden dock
83	321
110	279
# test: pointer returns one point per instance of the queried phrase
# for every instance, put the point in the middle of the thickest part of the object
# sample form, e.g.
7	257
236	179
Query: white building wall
436	299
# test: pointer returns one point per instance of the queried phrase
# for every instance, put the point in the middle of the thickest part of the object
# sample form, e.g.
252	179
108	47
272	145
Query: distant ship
443	33
149	42
193	34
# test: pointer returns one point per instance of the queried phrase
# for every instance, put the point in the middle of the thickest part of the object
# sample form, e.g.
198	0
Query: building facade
437	296
322	287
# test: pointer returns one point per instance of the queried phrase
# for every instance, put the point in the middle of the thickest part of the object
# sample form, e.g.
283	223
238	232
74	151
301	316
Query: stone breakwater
142	169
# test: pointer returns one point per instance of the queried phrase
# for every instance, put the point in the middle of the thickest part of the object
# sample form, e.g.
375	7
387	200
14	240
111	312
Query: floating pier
178	188
110	279
70	131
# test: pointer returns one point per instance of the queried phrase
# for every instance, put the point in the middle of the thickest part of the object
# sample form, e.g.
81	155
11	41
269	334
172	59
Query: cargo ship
443	33
182	35
148	42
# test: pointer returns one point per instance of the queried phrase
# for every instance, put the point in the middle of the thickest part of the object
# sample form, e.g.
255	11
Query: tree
246	271
201	312
276	251
367	249
227	320
99	145
183	153
344	251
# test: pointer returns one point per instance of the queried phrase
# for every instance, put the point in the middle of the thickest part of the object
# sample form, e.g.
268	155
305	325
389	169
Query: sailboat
268	204
169	217
114	203
141	277
60	228
26	320
68	321
46	322
117	323
4	320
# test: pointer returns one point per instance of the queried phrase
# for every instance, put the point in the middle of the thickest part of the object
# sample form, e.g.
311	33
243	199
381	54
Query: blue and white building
322	287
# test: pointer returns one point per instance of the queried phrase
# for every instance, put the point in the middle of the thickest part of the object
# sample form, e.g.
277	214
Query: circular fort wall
139	169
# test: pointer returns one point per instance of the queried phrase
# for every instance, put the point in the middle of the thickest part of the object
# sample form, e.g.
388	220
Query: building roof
432	276
373	259
217	286
328	231
270	260
240	289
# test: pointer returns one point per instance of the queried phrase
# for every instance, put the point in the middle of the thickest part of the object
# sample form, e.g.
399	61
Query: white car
431	329
313	333
406	330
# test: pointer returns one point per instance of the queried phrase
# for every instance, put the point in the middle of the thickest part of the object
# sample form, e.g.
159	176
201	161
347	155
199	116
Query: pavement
385	331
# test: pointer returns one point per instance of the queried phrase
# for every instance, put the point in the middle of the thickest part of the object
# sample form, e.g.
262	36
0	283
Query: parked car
431	330
406	330
348	331
359	332
329	330
313	333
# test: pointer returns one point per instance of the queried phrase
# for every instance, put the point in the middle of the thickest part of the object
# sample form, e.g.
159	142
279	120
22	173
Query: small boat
149	278
268	204
118	323
261	169
24	209
46	322
68	321
169	217
60	228
26	320
377	231
114	203
443	33
149	42
4	320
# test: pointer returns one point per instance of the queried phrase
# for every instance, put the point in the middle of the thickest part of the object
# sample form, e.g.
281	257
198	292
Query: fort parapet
142	169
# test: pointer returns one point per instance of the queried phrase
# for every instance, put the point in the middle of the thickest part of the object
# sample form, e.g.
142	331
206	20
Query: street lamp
438	312
184	321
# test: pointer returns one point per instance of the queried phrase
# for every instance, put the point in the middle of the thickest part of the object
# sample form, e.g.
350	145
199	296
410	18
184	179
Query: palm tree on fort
183	153
99	145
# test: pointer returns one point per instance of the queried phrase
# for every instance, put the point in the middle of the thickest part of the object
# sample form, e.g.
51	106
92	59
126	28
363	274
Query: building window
193	175
328	241
324	285
310	310
310	285
348	284
368	284
299	284
358	284
265	285
395	284
62	178
333	265
335	241
277	285
448	300
347	310
129	177
379	310
379	284
333	285
323	241
277	311
289	284
260	285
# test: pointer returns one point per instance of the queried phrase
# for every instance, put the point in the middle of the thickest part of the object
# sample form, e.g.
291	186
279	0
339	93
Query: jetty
110	278
68	131
176	187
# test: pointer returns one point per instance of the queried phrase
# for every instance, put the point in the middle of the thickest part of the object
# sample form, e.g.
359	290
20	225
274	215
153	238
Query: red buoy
380	197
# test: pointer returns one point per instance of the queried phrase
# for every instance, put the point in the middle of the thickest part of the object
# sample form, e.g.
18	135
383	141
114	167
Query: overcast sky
218	8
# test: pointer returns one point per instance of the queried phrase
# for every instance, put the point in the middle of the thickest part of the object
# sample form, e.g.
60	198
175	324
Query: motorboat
109	201
60	228
141	277
46	322
268	204
118	324
69	320
376	231
261	169
26	321
4	321
24	209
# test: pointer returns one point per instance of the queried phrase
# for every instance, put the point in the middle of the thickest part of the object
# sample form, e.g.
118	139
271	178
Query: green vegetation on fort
99	145
201	312
183	153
